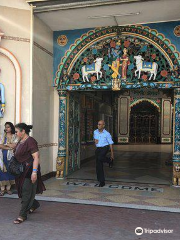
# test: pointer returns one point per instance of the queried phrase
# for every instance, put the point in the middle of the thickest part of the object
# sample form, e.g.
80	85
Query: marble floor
114	194
134	164
138	180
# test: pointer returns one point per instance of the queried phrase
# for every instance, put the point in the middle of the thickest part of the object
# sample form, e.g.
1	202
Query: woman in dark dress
29	182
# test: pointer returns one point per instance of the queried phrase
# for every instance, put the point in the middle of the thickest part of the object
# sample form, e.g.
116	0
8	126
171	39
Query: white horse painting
91	69
143	66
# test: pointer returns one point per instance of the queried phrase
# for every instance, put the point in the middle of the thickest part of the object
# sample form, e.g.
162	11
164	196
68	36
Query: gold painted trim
147	100
47	145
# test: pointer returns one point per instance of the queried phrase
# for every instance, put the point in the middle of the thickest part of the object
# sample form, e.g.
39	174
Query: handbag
14	167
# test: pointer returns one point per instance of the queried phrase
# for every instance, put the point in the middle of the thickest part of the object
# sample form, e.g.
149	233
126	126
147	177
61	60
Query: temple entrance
144	123
140	160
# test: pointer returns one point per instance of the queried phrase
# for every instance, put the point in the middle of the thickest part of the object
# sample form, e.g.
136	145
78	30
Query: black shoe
102	184
35	206
111	163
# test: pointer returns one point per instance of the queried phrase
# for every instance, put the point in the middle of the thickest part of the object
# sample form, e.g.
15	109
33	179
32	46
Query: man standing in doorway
103	141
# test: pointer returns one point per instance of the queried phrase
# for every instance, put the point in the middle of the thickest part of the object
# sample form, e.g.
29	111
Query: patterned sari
6	179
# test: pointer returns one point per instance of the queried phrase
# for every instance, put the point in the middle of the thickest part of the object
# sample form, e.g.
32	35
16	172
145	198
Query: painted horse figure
142	66
95	67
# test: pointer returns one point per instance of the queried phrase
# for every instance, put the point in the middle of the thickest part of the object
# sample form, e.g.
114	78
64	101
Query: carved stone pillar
61	158
176	143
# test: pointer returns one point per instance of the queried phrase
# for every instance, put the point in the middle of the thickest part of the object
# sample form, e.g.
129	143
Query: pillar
61	158
176	140
123	119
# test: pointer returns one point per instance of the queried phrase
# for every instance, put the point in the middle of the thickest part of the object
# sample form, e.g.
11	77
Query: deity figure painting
125	62
2	100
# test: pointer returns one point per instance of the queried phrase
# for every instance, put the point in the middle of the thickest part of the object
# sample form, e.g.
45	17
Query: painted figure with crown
2	100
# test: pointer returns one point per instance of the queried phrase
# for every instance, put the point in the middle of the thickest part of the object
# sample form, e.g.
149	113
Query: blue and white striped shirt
104	138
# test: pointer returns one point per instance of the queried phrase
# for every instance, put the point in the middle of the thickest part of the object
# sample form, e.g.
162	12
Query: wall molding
43	49
47	145
27	40
18	39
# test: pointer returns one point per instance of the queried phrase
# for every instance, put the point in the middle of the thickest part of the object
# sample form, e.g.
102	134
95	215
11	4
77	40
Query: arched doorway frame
93	36
145	100
155	105
18	81
152	36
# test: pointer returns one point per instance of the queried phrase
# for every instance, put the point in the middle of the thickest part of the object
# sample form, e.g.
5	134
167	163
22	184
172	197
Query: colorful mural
114	58
119	57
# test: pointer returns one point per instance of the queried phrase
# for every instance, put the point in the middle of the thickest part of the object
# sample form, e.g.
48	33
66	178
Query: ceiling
78	14
72	14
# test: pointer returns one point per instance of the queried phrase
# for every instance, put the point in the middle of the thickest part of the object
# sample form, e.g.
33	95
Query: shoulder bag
14	167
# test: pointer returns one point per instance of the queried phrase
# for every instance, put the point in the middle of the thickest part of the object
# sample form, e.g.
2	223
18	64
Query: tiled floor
134	163
166	200
144	172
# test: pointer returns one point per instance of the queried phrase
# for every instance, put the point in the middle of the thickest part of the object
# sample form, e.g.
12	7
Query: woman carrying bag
29	182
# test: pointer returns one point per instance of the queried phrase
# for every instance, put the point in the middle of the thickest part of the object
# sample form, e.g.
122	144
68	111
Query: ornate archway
153	102
117	47
109	43
18	81
144	122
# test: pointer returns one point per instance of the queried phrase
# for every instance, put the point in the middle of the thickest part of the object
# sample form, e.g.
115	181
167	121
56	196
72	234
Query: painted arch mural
123	57
119	57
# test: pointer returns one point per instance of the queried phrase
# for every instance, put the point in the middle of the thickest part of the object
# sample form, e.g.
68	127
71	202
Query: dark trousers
28	197
101	158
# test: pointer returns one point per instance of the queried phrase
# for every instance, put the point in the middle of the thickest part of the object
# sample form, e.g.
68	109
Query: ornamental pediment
125	57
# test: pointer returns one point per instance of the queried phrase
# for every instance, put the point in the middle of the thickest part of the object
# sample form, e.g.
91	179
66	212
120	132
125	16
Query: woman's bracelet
35	170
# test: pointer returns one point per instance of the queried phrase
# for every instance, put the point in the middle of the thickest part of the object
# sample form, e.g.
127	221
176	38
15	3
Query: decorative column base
60	167
116	84
176	169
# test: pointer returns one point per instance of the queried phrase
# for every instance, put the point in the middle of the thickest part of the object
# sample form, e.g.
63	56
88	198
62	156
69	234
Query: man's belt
104	146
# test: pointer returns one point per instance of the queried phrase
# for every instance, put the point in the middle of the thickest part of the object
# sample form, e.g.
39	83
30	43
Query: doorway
140	161
144	123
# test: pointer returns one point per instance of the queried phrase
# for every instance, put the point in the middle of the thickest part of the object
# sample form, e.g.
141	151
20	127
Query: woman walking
29	182
7	142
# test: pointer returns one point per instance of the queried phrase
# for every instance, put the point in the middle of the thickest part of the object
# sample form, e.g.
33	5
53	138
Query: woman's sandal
2	193
19	220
